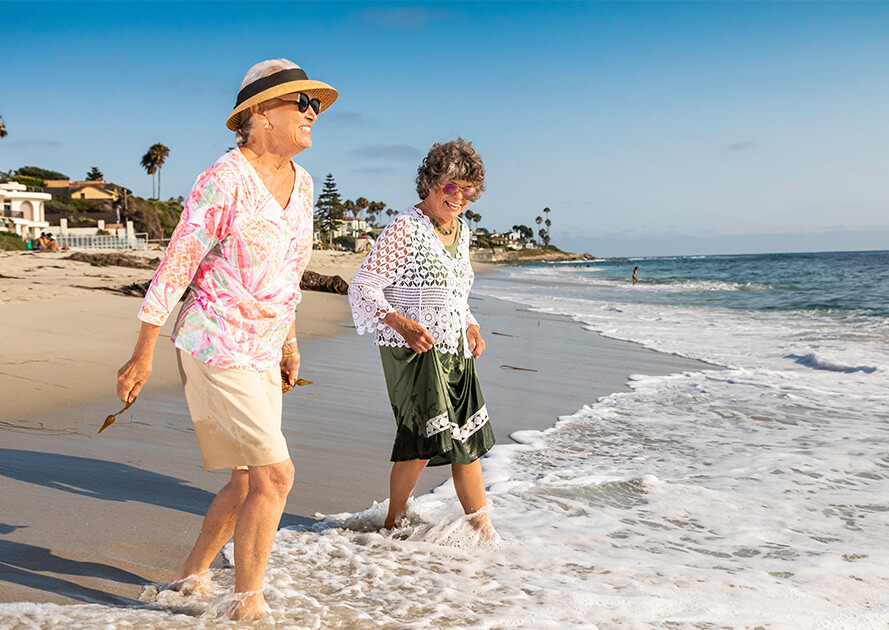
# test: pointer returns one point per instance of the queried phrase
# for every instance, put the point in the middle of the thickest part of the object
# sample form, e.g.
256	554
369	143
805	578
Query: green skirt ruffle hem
438	407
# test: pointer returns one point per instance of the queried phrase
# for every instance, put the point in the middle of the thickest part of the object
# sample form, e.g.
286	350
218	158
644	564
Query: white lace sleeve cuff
470	319
368	303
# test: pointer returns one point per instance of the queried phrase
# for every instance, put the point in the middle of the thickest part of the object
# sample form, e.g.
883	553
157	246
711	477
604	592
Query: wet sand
92	518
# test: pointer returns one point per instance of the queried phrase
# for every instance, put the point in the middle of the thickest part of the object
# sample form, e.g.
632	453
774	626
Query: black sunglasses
305	102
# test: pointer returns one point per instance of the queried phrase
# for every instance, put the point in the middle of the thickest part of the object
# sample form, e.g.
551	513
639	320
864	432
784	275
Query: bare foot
251	607
194	584
481	522
392	520
248	606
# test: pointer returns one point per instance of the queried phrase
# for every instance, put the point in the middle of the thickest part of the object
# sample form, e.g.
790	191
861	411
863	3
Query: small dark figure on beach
412	293
242	244
635	275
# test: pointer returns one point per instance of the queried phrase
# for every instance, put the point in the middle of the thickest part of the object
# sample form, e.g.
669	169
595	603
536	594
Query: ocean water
751	495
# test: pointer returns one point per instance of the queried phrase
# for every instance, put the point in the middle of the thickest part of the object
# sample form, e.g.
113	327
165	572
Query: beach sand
92	518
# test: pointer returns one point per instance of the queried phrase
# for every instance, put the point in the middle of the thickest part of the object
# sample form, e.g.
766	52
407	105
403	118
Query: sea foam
752	494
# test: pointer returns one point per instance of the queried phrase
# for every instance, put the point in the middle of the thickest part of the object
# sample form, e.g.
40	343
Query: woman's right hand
131	377
417	337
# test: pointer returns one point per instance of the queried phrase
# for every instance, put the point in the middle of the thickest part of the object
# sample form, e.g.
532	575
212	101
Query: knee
275	479
283	476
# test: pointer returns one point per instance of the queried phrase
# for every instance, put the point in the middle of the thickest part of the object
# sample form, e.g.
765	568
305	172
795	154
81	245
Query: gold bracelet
289	354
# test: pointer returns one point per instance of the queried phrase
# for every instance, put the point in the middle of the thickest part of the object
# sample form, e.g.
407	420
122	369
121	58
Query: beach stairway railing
102	241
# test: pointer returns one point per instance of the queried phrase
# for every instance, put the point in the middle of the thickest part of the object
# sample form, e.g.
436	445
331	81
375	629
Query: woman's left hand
290	367
476	343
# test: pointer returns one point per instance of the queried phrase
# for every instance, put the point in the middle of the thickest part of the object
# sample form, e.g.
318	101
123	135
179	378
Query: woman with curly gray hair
412	293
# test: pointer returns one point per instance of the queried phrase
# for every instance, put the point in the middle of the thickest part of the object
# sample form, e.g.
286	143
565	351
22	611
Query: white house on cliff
23	209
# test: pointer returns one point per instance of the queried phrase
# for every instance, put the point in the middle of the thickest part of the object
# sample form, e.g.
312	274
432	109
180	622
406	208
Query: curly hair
450	161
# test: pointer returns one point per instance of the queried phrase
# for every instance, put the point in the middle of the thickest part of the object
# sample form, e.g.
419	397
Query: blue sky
647	128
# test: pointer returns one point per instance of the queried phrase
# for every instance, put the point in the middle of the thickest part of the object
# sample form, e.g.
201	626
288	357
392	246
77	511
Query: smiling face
445	208
290	127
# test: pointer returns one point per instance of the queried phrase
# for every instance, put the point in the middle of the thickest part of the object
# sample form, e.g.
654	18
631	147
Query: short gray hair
449	161
258	71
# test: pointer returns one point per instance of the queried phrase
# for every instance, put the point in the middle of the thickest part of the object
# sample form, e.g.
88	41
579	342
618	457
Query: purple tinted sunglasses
451	189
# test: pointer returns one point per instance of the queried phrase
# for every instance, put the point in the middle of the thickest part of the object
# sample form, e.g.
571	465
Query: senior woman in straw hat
412	293
241	246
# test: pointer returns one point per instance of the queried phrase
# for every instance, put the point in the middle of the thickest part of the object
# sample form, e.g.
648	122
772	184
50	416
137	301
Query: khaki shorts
236	414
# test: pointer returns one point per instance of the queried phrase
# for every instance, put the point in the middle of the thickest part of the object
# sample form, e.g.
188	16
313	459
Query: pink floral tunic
243	256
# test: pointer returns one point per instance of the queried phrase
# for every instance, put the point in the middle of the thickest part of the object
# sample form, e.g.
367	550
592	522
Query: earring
268	125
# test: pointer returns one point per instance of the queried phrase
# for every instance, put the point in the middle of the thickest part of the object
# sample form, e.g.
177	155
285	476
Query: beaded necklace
442	231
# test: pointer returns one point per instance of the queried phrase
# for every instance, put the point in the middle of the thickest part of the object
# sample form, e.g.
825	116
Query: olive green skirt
438	407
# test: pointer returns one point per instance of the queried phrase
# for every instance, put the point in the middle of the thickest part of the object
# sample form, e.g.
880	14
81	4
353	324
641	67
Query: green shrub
64	205
28	181
167	213
40	173
345	241
12	241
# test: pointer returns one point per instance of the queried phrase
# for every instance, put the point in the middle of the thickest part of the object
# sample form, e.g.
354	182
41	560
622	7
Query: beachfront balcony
23	208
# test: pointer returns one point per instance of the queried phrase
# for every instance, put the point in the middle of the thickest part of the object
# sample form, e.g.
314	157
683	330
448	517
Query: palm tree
361	204
374	210
150	167
159	152
548	223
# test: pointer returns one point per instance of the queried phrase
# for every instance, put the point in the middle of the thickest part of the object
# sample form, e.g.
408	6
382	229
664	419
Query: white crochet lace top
410	271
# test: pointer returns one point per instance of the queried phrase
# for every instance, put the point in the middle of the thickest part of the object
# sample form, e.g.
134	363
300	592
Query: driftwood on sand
113	259
311	281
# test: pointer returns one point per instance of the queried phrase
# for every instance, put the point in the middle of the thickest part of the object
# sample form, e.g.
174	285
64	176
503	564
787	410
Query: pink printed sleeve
382	266
202	225
304	244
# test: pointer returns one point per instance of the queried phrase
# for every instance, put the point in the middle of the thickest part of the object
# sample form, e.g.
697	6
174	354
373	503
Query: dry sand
63	340
92	518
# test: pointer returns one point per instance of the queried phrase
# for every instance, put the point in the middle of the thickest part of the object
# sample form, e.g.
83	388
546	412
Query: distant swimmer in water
635	275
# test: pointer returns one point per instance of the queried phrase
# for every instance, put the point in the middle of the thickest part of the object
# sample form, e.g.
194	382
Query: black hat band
261	85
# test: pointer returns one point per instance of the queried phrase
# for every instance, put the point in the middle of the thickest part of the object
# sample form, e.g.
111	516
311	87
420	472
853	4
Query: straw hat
288	81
